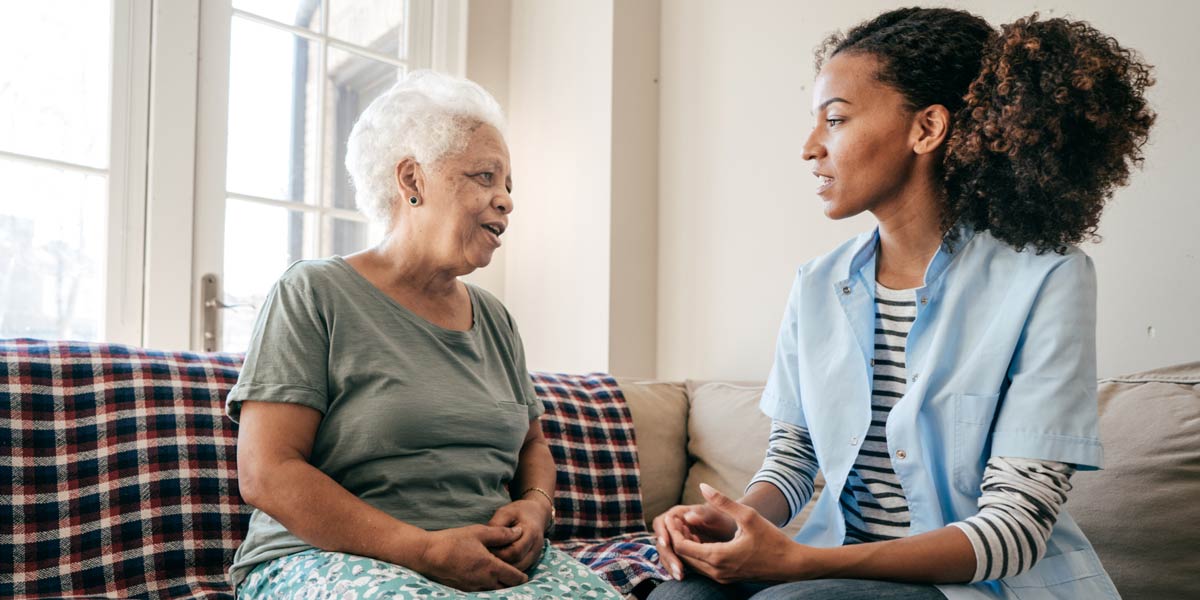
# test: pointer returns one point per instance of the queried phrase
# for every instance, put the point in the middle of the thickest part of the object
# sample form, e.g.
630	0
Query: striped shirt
1020	498
873	500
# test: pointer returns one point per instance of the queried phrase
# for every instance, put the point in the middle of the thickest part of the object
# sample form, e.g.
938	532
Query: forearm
941	556
787	474
318	510
769	502
535	469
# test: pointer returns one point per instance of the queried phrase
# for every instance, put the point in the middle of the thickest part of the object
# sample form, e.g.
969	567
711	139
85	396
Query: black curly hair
1049	117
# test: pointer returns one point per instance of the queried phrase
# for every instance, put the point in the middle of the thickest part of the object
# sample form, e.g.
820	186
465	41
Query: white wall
580	259
737	212
633	295
560	124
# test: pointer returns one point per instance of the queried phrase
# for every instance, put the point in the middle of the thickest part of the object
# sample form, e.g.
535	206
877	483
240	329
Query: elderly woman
388	427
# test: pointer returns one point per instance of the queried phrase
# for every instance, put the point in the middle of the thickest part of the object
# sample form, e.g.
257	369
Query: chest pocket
973	415
514	417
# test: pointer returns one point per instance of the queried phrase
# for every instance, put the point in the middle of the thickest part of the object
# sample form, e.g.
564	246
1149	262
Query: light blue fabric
1001	362
317	575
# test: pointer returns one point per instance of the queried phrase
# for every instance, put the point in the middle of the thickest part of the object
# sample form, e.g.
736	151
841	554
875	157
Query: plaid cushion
598	497
117	468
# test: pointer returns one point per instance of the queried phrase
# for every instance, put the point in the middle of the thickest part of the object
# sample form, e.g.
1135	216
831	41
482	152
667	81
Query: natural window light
54	160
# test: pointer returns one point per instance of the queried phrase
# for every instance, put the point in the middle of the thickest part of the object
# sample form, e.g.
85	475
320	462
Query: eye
834	121
486	177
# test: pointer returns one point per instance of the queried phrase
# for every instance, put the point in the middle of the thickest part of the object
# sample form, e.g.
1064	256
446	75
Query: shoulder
490	305
985	251
317	283
312	274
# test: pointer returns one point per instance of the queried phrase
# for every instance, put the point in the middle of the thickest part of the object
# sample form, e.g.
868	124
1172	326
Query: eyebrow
831	101
487	163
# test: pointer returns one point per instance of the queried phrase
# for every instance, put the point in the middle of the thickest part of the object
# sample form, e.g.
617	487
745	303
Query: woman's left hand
759	551
531	516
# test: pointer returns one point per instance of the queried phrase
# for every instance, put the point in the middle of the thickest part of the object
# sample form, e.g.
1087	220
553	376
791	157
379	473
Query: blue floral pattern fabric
317	574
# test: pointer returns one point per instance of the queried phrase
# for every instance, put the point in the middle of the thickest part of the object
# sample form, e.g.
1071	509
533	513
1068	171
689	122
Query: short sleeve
1049	411
287	360
781	396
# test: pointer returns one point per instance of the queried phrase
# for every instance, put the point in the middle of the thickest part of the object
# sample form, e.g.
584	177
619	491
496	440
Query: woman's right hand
696	522
460	558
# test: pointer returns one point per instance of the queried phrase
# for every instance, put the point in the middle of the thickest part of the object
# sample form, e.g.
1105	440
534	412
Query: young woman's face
862	145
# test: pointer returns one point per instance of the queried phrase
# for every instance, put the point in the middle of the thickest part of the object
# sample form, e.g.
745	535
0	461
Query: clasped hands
726	541
491	556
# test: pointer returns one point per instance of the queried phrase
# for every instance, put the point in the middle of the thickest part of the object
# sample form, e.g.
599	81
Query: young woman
940	370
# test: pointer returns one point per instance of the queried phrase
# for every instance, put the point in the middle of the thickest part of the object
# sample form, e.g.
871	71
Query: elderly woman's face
467	200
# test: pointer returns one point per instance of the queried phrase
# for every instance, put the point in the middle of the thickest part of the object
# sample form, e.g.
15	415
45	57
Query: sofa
118	471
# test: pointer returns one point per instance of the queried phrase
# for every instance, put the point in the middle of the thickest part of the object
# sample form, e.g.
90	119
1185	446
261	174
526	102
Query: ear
931	126
410	179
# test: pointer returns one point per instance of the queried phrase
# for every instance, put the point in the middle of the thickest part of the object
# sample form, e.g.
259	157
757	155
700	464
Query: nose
813	148
503	202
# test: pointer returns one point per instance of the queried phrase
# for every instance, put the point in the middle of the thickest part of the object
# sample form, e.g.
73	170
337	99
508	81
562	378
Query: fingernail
707	489
662	542
676	572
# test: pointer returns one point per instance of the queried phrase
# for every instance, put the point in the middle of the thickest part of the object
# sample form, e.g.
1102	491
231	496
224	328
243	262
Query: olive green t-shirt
421	422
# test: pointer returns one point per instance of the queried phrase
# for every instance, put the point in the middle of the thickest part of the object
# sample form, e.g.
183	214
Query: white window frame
170	181
129	114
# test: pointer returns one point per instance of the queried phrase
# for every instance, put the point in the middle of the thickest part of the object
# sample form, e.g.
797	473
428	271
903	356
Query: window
300	75
64	170
154	143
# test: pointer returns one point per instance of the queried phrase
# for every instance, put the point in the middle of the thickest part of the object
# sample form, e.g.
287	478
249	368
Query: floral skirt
316	574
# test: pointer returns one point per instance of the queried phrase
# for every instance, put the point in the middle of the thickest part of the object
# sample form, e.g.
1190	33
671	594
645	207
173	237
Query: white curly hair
426	116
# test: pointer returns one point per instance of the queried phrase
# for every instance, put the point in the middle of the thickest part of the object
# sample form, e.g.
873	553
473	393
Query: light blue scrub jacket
1001	362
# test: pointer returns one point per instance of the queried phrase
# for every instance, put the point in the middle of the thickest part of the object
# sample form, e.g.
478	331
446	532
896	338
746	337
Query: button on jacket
1001	361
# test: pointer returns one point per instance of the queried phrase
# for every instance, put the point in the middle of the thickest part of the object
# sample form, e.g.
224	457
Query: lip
500	226
824	186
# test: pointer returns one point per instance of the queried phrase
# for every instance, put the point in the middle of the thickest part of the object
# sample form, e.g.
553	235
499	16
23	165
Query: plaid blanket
598	497
118	473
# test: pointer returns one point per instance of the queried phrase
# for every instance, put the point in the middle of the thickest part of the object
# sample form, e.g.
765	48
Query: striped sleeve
1020	503
791	466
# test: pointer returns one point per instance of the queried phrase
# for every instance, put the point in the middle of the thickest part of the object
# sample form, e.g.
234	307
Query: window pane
261	241
352	84
54	100
374	24
346	237
52	252
301	13
272	113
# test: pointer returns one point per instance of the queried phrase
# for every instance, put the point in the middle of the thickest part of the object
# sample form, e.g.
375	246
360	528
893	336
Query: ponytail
1053	124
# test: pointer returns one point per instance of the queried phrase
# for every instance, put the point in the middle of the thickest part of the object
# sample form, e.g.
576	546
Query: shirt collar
868	243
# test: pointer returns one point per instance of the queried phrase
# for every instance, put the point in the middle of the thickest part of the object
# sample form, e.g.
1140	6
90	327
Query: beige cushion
1142	512
659	413
727	440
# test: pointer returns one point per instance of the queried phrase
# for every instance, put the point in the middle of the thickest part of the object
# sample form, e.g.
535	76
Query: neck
910	233
408	264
